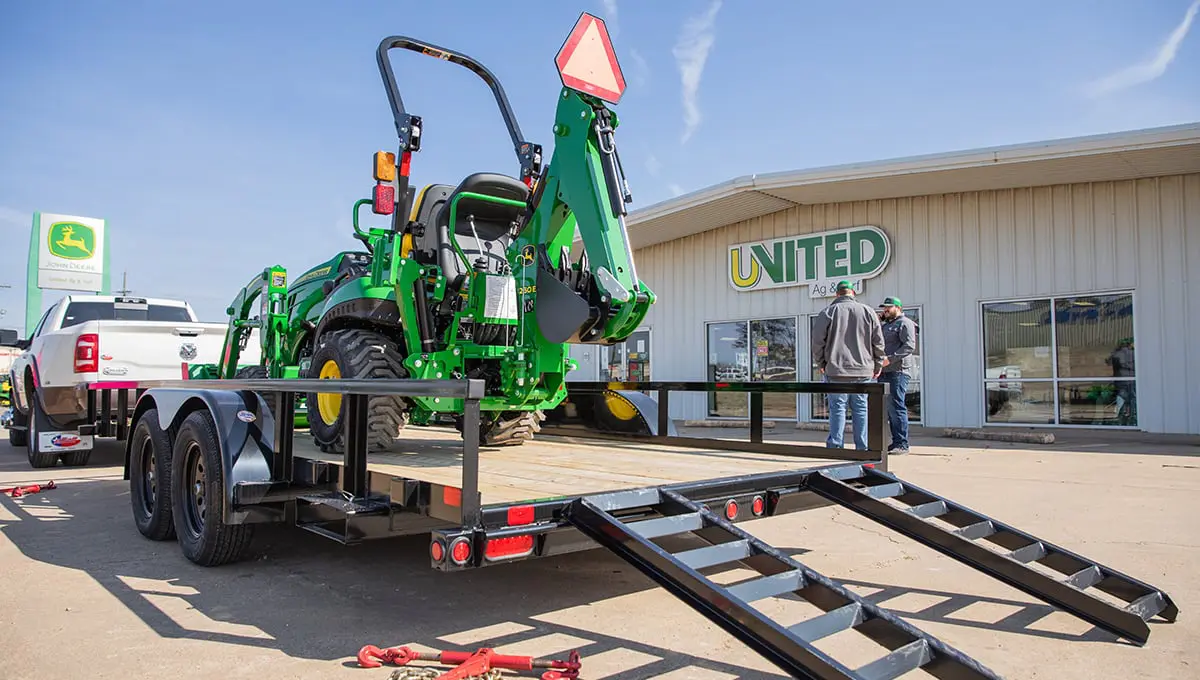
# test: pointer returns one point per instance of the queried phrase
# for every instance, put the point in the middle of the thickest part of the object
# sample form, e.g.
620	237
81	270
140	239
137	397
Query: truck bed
554	466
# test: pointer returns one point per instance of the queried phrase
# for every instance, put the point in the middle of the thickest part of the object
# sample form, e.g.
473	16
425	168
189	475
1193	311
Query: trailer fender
627	411
245	432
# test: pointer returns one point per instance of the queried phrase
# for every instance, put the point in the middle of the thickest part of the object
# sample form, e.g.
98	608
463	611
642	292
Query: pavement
83	595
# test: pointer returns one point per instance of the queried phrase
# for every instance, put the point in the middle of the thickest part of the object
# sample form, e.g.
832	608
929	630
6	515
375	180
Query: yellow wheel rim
328	405
619	406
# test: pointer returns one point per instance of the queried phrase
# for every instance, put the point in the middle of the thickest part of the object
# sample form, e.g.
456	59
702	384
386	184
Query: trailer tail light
731	510
520	514
758	506
509	547
460	550
437	551
87	353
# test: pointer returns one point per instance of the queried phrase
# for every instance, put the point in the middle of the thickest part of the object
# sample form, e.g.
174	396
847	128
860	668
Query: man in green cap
899	341
847	346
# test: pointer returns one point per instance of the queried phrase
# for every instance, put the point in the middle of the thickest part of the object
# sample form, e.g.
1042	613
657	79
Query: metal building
1054	283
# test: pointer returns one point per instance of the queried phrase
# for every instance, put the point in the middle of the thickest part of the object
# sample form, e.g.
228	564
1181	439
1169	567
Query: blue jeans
837	417
897	410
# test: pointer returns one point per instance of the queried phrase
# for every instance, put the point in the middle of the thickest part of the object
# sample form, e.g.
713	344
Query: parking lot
85	596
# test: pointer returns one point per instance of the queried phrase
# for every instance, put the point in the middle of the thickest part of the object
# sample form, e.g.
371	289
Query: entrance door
819	408
628	361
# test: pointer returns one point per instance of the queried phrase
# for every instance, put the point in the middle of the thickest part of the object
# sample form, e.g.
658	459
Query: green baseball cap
845	285
891	302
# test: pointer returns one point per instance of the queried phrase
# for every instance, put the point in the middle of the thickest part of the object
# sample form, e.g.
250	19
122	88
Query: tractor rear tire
510	428
354	353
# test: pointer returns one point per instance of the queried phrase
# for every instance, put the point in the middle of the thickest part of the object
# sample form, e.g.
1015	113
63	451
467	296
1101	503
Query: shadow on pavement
312	598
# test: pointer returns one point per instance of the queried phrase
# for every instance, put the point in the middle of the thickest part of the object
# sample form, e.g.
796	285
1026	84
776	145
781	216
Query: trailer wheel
354	353
37	459
150	478
198	496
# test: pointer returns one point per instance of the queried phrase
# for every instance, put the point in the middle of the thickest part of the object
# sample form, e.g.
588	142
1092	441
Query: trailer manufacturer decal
246	416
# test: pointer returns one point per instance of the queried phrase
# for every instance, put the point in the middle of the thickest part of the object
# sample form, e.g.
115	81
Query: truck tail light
87	353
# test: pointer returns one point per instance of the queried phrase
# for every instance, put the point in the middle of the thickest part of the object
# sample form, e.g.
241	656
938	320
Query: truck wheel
198	496
150	478
353	353
76	458
37	458
18	437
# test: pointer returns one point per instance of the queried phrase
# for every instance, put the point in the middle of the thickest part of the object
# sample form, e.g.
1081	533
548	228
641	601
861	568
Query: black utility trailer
207	460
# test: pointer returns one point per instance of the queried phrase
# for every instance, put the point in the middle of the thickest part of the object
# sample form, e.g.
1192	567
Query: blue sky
221	137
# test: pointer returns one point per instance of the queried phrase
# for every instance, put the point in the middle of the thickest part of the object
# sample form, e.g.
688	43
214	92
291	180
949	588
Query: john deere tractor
469	280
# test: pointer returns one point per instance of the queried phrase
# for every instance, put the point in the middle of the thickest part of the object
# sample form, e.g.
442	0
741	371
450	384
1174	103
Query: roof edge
1024	152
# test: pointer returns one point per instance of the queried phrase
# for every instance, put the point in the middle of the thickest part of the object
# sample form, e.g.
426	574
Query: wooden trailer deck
552	466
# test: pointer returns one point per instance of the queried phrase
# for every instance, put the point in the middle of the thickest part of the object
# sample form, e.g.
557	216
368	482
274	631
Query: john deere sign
66	252
817	260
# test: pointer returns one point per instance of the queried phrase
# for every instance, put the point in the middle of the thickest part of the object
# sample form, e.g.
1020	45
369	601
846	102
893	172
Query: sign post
66	252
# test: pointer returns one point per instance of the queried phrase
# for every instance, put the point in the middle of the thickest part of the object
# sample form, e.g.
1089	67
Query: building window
757	350
628	361
1060	361
819	407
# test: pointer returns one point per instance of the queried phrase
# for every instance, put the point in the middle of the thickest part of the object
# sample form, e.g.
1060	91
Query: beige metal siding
952	251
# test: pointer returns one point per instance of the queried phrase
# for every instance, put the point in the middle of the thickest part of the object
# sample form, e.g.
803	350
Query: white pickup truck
96	338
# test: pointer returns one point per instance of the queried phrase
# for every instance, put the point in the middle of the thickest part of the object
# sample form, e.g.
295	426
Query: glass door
628	361
819	408
774	360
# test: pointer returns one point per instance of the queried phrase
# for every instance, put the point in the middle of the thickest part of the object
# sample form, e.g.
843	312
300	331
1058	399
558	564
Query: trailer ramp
628	523
1008	553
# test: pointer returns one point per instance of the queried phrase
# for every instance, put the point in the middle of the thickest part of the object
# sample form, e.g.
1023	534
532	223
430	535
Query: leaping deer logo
69	245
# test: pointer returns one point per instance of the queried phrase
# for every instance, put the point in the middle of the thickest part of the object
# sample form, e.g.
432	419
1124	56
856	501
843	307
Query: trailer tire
152	510
37	459
198	496
356	353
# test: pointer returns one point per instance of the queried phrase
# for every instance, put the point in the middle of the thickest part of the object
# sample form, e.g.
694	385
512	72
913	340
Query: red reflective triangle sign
587	62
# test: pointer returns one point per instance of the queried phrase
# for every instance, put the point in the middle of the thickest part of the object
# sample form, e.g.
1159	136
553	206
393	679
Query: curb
743	424
1020	437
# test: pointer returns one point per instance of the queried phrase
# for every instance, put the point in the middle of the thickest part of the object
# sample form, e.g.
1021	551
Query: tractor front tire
353	353
508	428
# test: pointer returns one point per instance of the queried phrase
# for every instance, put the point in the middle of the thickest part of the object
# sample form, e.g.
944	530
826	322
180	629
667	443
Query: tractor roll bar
527	154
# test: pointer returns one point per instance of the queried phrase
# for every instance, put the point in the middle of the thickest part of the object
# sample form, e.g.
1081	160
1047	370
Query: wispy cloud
1151	69
641	69
610	17
653	166
16	217
675	189
691	52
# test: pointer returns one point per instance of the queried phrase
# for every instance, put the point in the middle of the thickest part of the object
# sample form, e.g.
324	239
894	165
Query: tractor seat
492	221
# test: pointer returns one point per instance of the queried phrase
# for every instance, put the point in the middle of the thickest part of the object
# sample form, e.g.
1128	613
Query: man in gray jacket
847	346
900	341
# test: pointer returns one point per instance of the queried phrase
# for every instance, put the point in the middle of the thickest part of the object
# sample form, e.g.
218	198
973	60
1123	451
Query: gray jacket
900	341
847	340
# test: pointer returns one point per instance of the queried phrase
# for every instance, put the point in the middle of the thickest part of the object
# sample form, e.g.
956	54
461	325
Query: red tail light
87	353
384	200
508	548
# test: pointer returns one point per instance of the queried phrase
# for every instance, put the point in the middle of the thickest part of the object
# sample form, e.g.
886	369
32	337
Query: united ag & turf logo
72	241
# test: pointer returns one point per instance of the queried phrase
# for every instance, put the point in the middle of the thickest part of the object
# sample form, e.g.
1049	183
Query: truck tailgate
153	350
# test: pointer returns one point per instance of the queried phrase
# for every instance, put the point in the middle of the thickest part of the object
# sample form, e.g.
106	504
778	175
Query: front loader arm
271	286
599	299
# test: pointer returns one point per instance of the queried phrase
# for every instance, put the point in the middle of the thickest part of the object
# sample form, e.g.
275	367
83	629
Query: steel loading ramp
628	523
1007	555
791	648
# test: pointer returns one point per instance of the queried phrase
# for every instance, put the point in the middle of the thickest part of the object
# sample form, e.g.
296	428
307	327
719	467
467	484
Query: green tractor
474	280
